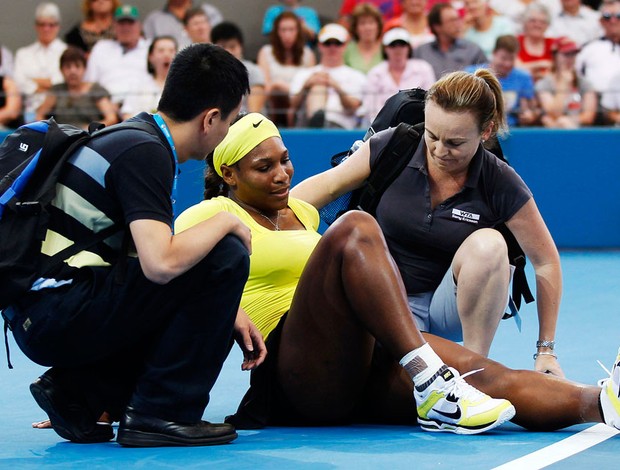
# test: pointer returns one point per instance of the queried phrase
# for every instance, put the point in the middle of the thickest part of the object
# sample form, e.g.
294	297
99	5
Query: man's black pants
158	348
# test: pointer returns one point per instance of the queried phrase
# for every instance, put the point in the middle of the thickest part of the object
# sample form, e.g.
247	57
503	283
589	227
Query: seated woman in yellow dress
342	343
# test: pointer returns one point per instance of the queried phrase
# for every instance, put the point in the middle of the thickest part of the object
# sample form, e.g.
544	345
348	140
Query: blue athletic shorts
436	311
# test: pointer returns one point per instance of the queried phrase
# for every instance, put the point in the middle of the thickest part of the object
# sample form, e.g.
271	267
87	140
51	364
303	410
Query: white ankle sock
421	363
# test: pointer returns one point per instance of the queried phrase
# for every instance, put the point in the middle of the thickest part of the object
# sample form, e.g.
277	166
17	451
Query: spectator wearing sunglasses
330	93
599	60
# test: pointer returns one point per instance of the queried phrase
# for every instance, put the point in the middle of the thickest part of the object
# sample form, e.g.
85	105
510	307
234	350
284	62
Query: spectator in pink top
398	72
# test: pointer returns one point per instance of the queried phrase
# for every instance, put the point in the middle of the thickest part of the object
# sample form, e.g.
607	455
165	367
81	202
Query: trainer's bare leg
482	274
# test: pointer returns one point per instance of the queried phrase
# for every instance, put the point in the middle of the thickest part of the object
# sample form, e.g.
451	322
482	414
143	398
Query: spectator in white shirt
118	65
576	21
36	65
331	91
599	60
146	95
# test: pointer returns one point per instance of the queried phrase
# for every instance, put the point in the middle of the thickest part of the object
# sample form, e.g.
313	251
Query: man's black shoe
138	430
70	419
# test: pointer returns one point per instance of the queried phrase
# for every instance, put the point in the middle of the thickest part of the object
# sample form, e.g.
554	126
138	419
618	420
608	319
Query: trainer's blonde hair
479	93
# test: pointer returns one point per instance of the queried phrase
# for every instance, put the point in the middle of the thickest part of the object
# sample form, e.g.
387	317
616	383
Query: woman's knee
487	246
353	229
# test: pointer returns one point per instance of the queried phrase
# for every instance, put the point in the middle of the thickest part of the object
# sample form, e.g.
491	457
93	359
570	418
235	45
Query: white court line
563	449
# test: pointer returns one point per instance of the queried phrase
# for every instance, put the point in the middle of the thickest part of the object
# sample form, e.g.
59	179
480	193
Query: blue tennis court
587	332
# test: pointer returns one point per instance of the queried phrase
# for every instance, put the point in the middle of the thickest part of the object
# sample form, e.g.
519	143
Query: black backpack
31	159
405	111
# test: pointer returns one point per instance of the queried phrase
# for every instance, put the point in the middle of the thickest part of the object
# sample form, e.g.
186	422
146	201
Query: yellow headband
242	137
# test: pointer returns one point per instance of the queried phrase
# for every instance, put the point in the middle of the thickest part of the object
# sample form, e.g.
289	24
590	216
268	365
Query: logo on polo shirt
465	216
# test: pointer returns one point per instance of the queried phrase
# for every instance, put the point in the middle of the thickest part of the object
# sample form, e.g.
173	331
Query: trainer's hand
250	340
549	365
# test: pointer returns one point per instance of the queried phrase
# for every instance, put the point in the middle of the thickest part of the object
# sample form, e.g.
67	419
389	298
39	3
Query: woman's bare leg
542	401
349	294
482	273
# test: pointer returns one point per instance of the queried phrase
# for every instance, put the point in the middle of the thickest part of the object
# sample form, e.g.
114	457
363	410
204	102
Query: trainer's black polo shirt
422	240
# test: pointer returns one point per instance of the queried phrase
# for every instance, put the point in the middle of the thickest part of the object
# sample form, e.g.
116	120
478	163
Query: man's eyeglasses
609	16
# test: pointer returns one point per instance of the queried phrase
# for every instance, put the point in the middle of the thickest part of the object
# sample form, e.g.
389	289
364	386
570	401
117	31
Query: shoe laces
458	387
601	382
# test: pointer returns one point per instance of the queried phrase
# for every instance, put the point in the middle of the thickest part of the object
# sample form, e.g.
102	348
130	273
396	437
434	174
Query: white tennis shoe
610	395
446	403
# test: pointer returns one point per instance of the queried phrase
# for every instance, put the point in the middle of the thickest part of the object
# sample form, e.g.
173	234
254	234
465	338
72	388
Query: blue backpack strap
20	183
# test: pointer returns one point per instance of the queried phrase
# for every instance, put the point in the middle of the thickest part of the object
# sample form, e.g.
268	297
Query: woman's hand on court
549	365
250	340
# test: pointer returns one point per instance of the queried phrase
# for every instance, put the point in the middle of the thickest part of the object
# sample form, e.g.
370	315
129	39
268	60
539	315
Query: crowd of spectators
557	60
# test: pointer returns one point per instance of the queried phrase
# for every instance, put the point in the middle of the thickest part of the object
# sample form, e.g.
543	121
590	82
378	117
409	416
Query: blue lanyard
164	128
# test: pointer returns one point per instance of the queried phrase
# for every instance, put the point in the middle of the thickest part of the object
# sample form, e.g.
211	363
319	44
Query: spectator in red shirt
535	52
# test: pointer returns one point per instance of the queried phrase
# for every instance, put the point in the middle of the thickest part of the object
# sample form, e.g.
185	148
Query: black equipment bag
31	159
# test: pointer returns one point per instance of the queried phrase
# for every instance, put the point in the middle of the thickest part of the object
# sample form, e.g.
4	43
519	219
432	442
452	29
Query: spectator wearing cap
576	21
398	72
310	22
599	60
364	51
414	20
119	64
36	65
517	84
330	93
168	21
229	36
568	100
448	52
